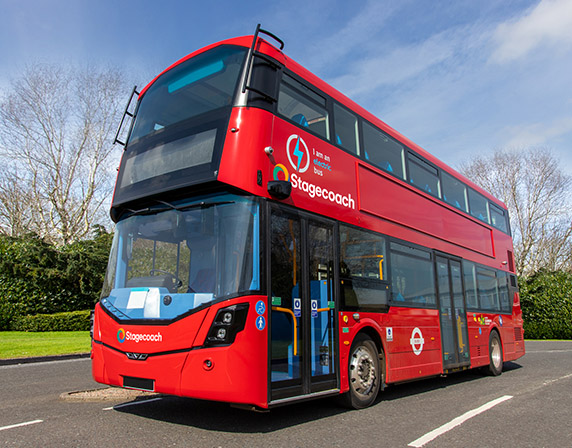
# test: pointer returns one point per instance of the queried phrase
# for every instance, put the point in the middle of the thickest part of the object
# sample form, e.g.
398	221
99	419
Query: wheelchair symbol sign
260	307
297	307
314	309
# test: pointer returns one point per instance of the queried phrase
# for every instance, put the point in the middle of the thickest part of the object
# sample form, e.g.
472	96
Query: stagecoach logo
417	341
123	336
296	146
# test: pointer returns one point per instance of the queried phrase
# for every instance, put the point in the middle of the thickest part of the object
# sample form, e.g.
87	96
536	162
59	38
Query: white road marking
133	403
20	424
456	422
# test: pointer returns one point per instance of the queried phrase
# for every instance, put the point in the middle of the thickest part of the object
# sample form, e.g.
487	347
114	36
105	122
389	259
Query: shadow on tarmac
214	416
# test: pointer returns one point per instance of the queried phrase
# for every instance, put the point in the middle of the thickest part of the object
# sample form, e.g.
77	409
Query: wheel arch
375	336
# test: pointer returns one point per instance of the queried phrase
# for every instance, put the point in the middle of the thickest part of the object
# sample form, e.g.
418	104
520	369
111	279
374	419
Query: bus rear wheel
495	355
364	373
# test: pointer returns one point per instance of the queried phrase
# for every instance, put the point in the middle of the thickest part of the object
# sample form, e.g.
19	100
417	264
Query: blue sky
459	78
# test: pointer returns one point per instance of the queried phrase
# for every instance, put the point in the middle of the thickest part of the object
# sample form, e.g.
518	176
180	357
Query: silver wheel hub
496	353
362	371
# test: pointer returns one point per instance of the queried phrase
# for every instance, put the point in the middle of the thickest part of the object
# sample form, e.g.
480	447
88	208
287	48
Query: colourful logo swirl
279	168
121	335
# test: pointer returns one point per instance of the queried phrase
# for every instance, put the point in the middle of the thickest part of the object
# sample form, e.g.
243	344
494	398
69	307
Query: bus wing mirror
279	189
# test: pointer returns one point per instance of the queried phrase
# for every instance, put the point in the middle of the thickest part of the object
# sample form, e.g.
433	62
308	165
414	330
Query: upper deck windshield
170	259
180	126
197	86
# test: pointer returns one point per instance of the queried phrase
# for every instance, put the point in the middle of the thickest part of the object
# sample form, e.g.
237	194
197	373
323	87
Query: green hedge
69	321
37	277
546	300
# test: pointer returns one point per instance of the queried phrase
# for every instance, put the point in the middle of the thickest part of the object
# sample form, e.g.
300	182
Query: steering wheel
178	282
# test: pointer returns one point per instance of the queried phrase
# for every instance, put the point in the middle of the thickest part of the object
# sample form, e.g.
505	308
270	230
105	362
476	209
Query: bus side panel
412	208
243	153
411	340
415	350
478	338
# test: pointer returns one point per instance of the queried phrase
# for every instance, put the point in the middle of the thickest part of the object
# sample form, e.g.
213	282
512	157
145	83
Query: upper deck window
346	127
498	219
424	176
454	192
199	85
478	206
303	106
383	151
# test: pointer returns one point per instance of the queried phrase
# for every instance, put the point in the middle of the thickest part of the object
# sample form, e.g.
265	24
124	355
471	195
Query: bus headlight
228	322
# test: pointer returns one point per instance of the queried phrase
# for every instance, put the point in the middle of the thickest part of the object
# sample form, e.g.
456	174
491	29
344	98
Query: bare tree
537	194
56	129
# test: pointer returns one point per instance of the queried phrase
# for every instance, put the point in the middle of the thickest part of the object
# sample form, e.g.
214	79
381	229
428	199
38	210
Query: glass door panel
453	316
460	312
286	298
303	342
322	304
446	314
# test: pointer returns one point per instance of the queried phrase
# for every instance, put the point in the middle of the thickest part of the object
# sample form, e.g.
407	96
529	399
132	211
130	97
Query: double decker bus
276	242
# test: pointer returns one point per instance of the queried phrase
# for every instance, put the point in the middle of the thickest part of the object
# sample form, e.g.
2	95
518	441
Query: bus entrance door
302	347
453	316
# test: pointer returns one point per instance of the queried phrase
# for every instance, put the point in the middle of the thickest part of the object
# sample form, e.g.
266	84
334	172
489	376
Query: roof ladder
126	113
249	62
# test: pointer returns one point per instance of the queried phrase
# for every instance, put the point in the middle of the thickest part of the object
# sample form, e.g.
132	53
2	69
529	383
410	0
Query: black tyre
495	355
364	373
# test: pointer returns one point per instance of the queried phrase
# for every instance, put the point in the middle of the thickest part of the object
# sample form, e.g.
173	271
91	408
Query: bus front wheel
364	373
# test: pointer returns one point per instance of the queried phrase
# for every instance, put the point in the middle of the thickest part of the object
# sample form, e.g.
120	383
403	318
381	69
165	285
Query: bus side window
363	276
383	151
497	217
454	192
346	128
488	289
304	107
412	278
478	206
470	273
424	176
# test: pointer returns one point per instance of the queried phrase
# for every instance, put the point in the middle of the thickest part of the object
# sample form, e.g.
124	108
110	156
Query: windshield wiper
152	211
147	211
202	205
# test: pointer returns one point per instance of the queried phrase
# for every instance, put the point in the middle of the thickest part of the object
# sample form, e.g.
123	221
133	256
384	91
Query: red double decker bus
276	242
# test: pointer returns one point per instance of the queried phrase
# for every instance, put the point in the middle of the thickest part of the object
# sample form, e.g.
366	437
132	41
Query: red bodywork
368	198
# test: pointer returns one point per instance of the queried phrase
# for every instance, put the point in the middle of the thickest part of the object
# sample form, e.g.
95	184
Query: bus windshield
172	258
197	86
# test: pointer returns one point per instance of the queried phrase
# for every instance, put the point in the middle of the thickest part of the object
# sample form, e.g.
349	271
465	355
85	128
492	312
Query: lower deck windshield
172	258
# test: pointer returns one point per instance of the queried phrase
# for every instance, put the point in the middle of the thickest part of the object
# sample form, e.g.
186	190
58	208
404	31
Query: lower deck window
412	277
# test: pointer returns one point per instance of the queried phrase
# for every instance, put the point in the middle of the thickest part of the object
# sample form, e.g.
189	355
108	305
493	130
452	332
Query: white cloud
395	66
537	134
548	24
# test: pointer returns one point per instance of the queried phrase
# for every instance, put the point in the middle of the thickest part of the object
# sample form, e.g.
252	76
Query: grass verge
22	344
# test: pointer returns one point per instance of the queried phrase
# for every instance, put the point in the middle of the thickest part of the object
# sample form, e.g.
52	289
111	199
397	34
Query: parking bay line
17	425
457	421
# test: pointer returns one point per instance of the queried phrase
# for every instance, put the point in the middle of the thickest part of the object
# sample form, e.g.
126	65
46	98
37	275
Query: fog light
227	317
221	333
